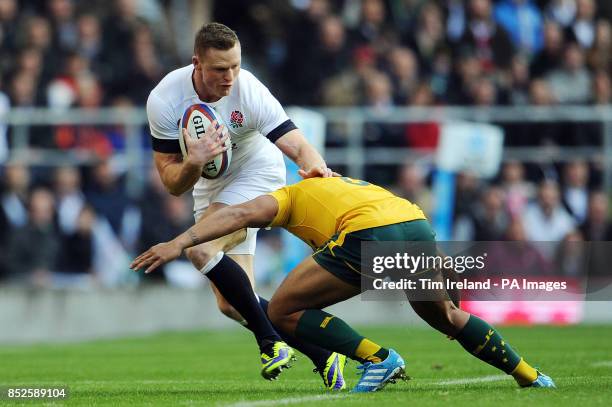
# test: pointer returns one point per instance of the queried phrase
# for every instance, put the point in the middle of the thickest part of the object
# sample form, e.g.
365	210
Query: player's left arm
295	146
259	212
270	119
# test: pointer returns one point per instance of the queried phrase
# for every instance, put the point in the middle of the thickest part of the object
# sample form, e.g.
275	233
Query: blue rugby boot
542	381
375	376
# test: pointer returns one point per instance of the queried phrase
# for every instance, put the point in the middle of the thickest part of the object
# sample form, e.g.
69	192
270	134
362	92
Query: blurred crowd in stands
376	53
415	52
68	227
77	226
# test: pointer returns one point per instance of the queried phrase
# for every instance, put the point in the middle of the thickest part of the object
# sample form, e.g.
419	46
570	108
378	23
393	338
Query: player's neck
201	91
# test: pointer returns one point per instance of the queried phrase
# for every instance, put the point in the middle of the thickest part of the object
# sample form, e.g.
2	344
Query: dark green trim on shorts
344	261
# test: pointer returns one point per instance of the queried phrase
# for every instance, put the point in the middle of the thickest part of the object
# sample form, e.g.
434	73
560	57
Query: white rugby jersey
251	113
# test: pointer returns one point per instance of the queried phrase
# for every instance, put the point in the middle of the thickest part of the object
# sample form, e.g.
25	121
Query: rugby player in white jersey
260	130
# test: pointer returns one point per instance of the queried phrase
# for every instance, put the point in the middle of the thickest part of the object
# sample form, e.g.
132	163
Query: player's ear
195	61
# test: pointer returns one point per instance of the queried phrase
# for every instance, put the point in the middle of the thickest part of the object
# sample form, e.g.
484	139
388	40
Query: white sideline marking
284	402
293	400
469	380
603	363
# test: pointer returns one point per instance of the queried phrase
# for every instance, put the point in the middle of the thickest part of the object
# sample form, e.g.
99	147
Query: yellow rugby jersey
315	209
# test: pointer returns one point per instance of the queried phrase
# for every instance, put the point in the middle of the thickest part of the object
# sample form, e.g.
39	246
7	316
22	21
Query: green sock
330	332
482	340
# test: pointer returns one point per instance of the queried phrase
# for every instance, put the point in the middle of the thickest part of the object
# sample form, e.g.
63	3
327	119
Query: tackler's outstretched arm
259	212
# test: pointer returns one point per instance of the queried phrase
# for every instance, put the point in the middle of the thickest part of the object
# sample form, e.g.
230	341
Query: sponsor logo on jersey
236	119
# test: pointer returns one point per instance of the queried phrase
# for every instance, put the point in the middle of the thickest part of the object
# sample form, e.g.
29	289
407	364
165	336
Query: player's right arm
177	174
259	212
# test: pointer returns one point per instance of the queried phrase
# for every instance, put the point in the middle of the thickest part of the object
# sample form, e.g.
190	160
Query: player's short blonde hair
214	35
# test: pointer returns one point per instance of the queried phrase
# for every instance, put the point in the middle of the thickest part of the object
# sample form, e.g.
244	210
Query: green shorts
344	261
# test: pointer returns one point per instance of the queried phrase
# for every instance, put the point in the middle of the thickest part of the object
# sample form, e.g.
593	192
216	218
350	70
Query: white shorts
258	176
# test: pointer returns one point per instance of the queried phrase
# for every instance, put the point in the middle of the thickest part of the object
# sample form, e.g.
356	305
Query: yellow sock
366	351
524	374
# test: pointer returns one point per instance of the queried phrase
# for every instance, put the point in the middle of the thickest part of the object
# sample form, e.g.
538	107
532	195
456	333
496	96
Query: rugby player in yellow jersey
334	215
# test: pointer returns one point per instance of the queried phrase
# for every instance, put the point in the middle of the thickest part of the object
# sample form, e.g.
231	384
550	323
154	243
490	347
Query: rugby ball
196	120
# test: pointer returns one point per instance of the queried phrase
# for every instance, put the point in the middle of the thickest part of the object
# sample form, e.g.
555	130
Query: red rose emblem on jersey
236	119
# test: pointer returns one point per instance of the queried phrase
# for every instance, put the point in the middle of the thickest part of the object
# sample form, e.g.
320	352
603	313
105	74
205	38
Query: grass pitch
221	369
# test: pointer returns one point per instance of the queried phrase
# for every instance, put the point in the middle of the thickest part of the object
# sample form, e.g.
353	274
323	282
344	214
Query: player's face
217	70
